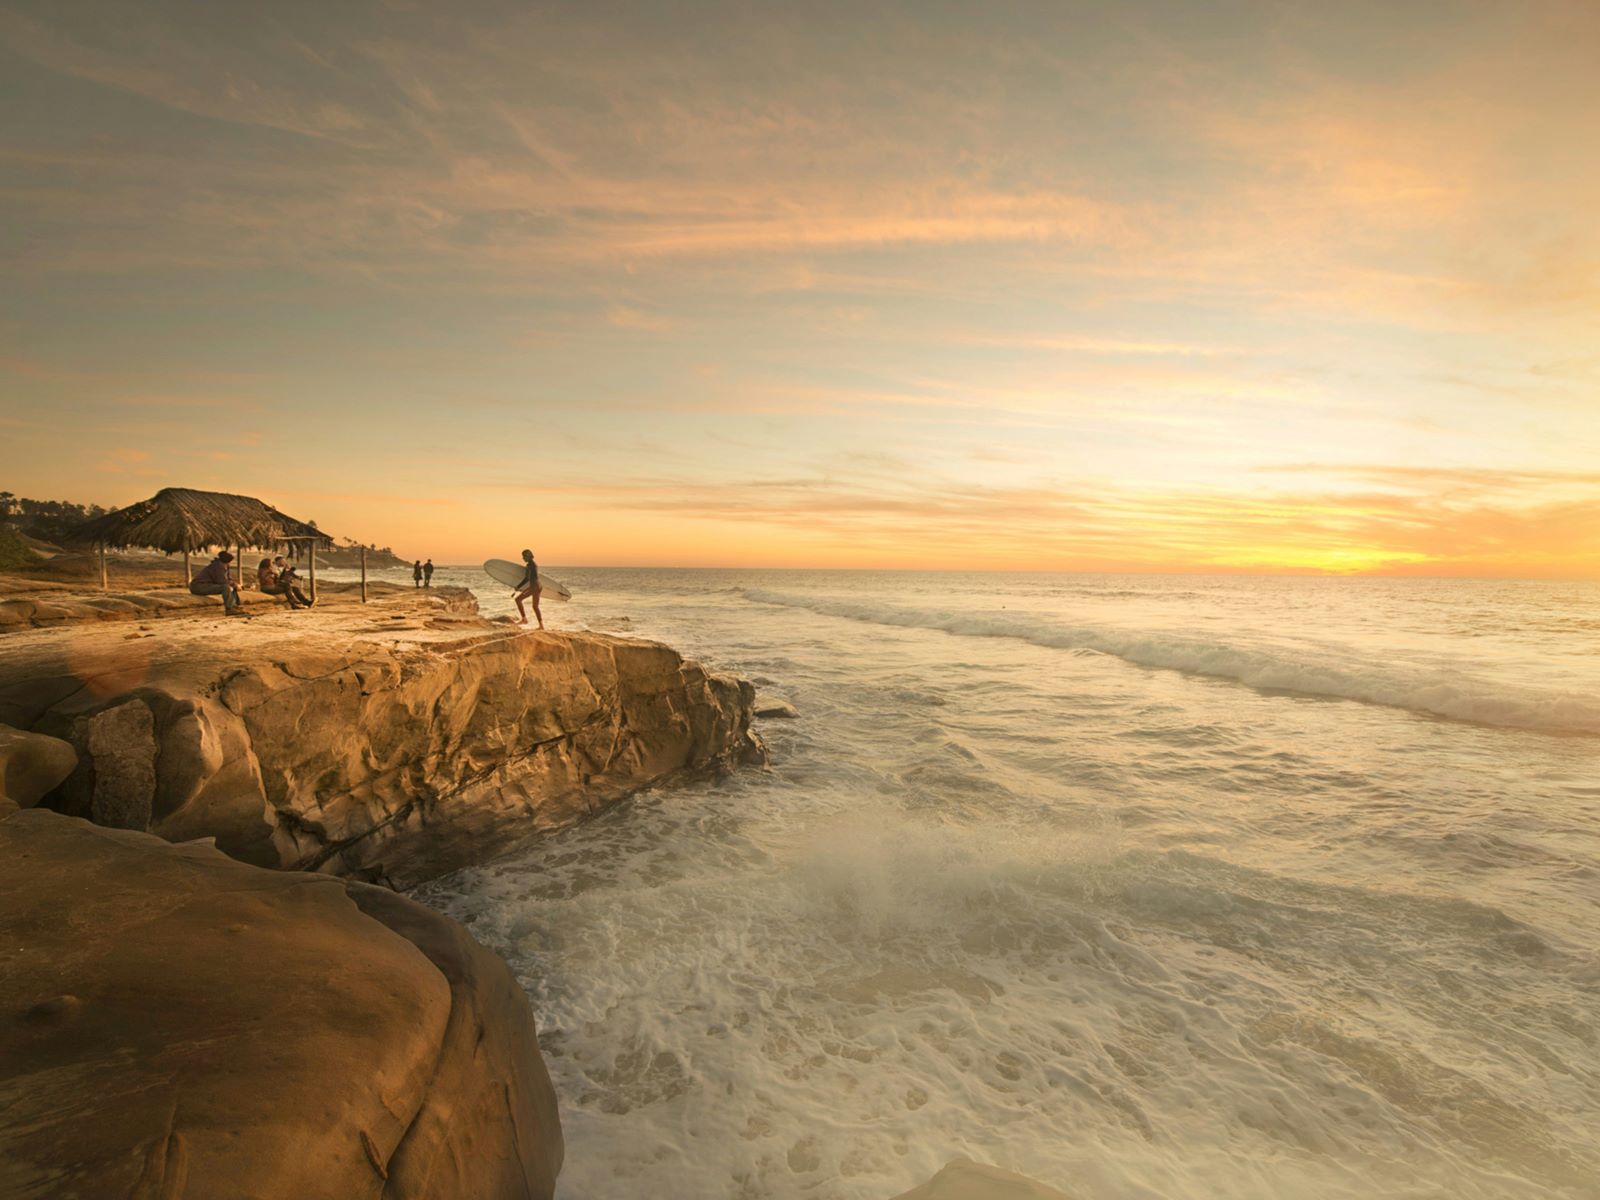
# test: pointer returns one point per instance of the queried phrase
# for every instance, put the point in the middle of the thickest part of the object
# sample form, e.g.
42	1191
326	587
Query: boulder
776	709
175	1023
962	1179
347	742
31	765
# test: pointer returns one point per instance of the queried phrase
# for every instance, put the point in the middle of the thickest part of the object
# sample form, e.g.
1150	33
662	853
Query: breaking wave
1440	693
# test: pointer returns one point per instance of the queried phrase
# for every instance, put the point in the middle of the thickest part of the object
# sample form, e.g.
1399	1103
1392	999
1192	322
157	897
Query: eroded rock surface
29	603
962	1179
384	744
31	766
175	1023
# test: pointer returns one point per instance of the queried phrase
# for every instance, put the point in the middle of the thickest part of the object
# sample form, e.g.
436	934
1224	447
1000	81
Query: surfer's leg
536	593
517	596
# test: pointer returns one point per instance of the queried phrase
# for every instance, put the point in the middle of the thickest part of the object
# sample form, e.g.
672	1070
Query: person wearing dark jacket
416	573
213	579
427	573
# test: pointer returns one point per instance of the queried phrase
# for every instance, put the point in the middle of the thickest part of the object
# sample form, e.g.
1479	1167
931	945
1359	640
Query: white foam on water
1456	695
840	1009
1127	932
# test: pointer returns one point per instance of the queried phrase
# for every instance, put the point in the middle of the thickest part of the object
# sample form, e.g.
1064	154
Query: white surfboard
509	573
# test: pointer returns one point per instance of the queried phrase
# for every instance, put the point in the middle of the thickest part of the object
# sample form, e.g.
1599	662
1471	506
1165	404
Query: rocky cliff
175	1023
384	743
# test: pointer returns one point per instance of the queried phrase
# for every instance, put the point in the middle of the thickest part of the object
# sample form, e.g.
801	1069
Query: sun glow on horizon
1274	289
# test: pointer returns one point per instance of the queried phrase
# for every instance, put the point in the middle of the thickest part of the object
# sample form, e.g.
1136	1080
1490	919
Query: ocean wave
1436	693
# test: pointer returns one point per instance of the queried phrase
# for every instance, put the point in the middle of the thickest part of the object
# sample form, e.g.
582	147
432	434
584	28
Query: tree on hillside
50	520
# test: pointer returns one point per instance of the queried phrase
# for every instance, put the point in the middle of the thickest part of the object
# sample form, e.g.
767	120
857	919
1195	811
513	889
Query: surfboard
510	574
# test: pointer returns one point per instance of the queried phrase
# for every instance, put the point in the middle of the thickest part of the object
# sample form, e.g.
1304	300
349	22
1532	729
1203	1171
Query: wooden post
105	578
363	574
312	550
188	573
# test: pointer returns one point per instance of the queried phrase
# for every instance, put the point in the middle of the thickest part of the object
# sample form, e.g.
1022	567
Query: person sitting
289	583
214	579
272	583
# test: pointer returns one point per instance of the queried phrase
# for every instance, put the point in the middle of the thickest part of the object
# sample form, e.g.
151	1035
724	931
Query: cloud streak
908	520
1031	251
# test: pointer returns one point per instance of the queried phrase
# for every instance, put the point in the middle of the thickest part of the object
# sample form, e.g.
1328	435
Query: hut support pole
311	548
188	572
105	579
363	574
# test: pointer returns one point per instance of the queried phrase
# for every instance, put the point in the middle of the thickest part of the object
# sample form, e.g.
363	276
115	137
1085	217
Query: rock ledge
387	743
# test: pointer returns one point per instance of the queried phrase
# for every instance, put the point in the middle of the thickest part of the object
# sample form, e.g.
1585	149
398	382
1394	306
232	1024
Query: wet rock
175	1023
776	709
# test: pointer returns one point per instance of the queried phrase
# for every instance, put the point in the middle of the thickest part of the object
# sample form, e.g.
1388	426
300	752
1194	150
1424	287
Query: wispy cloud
913	519
621	316
1164	249
121	460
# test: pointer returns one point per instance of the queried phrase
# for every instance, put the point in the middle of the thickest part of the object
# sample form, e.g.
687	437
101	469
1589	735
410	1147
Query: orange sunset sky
1280	286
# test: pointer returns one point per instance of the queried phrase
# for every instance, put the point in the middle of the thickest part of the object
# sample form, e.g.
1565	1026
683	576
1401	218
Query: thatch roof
178	519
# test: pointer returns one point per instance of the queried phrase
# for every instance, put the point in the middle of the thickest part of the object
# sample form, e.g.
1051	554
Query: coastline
389	742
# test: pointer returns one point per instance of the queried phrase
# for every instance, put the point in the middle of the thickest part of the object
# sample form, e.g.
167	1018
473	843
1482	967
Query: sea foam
1456	695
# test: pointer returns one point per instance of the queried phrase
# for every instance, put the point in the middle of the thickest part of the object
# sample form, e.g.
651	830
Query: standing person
416	573
427	573
529	589
213	579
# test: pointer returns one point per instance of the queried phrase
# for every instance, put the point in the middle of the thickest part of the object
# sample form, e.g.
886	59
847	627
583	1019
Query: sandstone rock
122	746
963	1179
31	765
30	603
334	741
174	1023
776	709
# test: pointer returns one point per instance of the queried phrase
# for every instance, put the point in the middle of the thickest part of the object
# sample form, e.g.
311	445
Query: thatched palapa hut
182	521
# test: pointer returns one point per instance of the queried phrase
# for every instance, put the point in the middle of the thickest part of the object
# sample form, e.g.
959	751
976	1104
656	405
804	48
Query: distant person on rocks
213	579
416	573
289	584
529	589
427	573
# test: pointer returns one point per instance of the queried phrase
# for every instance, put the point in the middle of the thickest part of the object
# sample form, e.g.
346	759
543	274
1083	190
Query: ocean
1142	886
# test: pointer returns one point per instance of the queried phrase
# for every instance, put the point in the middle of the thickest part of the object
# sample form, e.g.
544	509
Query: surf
1452	695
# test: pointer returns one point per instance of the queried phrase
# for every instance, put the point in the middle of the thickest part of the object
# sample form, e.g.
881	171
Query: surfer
529	589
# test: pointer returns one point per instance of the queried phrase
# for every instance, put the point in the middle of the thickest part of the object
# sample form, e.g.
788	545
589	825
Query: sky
1147	286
